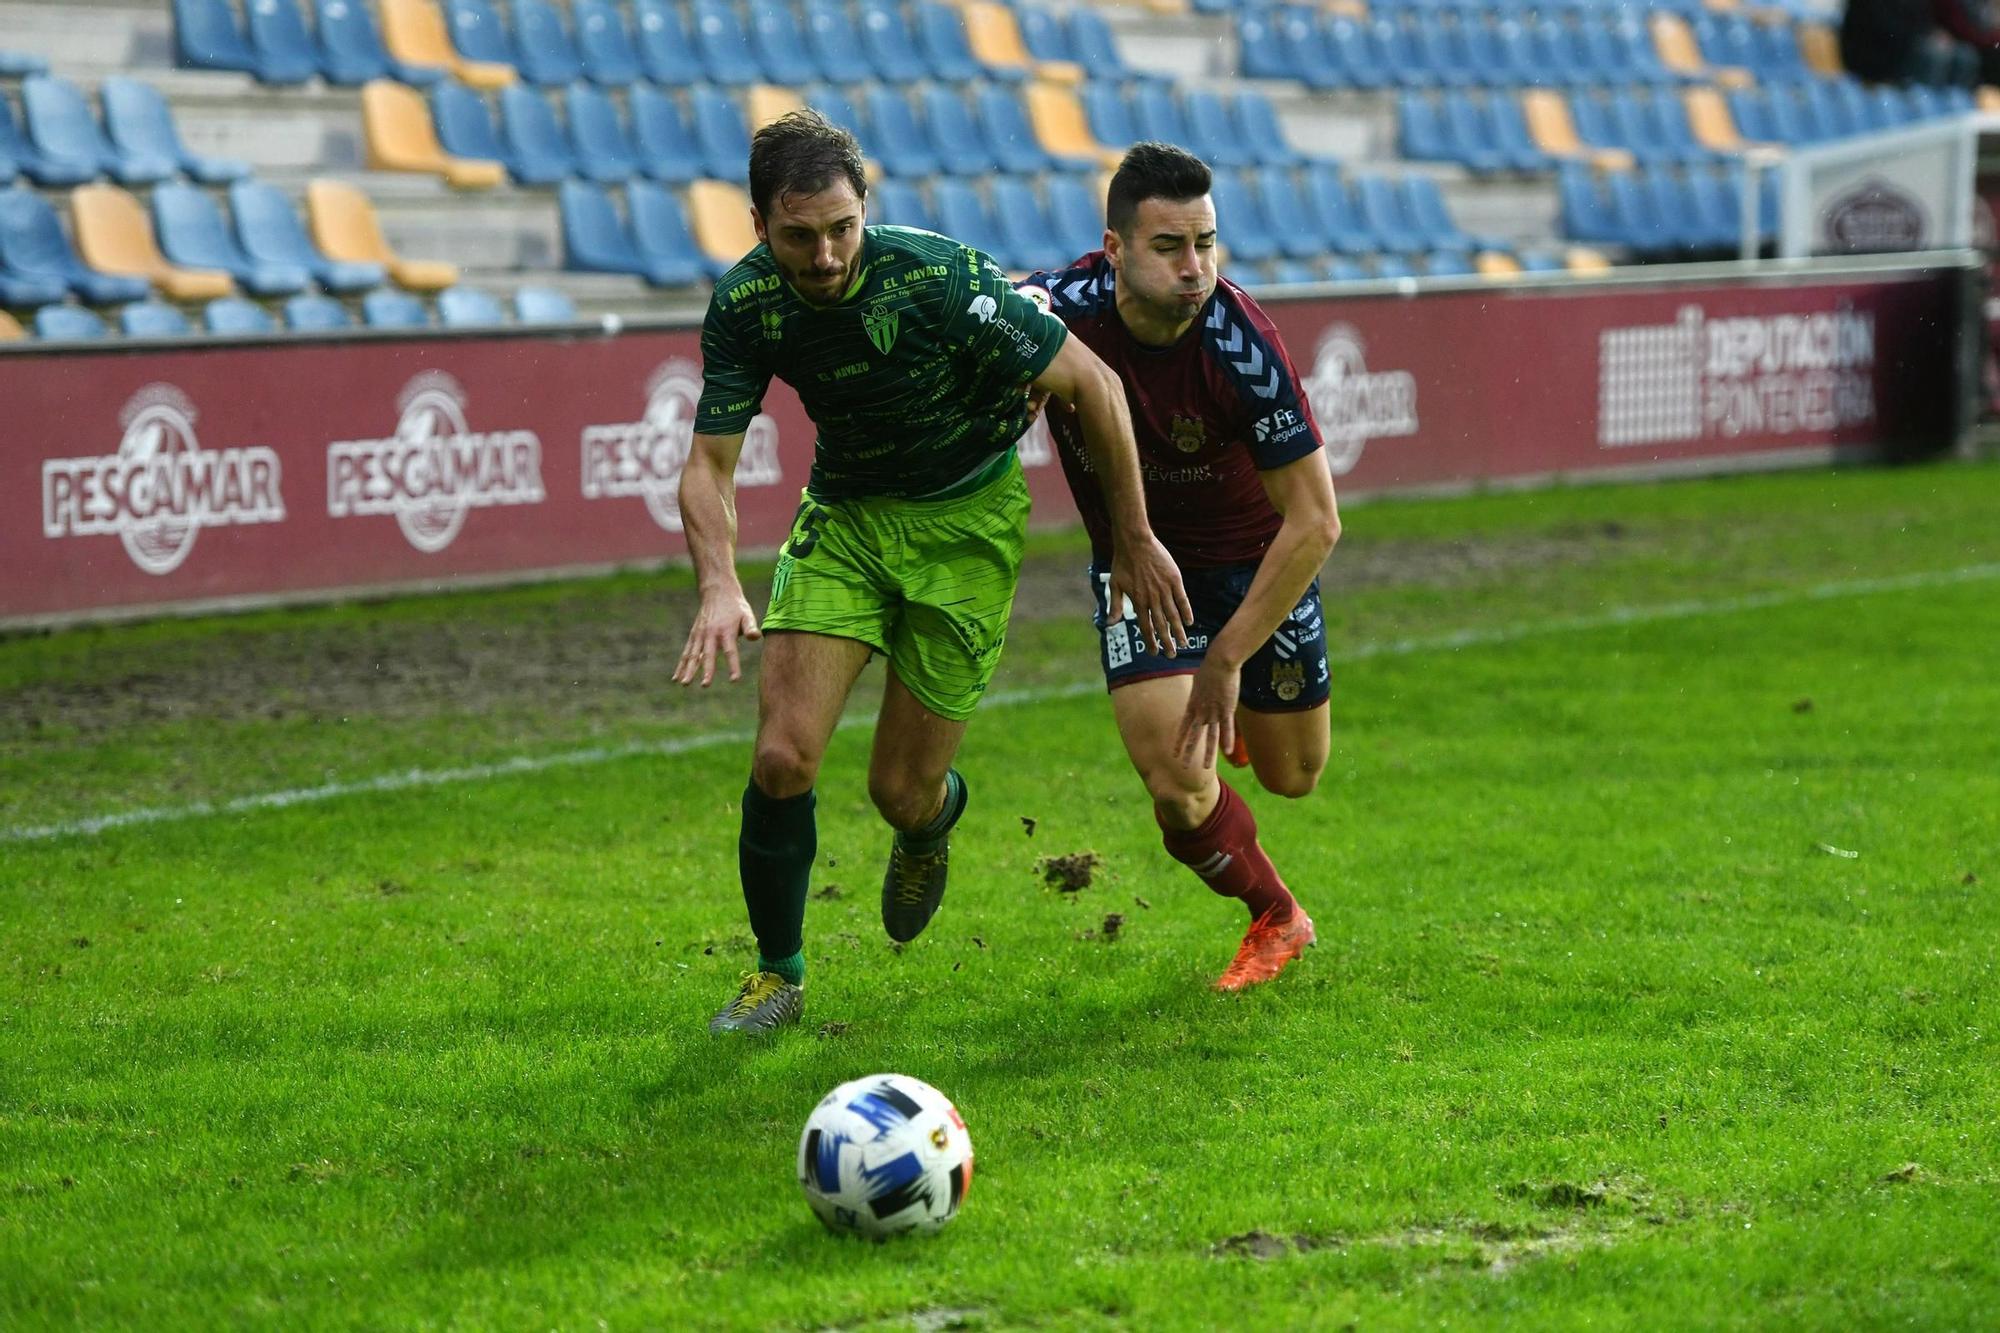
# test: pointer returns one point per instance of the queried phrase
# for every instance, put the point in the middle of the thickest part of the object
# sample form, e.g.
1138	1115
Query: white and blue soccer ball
885	1154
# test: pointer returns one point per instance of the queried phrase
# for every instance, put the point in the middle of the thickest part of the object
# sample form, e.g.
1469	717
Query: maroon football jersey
1208	412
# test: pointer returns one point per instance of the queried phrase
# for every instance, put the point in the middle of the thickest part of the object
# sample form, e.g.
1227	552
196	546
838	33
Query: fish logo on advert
162	487
645	458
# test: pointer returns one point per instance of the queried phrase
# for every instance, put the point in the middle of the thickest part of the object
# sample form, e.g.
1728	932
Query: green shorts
927	583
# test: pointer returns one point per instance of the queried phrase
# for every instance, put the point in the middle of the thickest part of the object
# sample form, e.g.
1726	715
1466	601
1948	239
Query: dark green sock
792	969
931	836
775	856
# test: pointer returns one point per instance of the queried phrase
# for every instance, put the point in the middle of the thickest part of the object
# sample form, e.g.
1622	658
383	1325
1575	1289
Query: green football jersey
914	377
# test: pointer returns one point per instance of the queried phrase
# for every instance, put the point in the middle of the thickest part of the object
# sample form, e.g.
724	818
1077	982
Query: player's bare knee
1291	782
904	805
1179	795
782	769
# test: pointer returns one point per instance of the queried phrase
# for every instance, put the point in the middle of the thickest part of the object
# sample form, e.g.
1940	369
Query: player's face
1167	262
815	238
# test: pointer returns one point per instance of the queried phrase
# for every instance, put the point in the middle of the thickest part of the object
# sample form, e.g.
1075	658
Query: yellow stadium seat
1989	98
1554	132
766	102
1714	127
995	38
1678	50
344	225
114	235
414	32
1821	48
720	215
10	328
1496	264
1061	127
396	122
1582	259
1169	8
1354	9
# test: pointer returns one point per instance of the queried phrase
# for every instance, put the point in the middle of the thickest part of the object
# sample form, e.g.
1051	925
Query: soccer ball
883	1155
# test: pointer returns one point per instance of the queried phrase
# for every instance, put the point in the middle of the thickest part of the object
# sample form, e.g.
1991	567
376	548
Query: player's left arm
1302	493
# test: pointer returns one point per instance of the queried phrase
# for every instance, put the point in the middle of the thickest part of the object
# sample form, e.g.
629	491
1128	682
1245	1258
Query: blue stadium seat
1778	55
1834	113
662	137
1028	234
723	134
465	129
542	41
33	247
152	319
1502	50
20	64
232	316
604	44
1044	34
1718	223
469	308
1585	213
723	45
478	33
965	217
962	149
903	145
1383	211
283	43
192	234
1425	206
1339	268
316	314
1004	124
1261	131
351	50
1510	132
1641	55
1447	50
270	232
1281	203
1332	205
1634	216
68	323
1267	53
1211	133
667	52
531	136
889	44
388	308
1667	199
140	125
1631	128
1752	114
543	305
207	36
1408	63
1157	116
1540	261
604	151
1789	119
899	203
834	42
1110	117
663	239
70	147
1447	264
941	39
1240	223
841	109
19	291
1387	267
1356	48
1445	130
1077	214
779	44
1090	36
1319	65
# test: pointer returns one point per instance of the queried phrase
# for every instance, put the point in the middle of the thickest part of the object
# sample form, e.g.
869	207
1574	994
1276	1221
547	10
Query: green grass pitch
1657	872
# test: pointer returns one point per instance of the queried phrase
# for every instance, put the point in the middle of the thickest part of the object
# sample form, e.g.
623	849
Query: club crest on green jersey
881	323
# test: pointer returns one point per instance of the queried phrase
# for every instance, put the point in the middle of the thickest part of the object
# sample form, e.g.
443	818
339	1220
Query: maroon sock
1224	852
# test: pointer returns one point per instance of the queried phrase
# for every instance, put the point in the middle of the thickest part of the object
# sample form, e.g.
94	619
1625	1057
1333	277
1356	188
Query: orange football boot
1267	946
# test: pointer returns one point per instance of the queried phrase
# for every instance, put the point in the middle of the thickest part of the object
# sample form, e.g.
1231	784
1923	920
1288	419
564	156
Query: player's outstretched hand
724	617
1143	574
1208	724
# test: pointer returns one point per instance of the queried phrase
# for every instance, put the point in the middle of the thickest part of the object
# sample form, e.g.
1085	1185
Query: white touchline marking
529	764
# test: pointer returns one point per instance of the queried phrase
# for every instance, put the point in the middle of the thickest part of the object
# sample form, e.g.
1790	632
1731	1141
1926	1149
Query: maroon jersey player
1239	492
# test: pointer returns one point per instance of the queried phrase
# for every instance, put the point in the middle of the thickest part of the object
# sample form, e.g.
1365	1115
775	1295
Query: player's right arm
708	515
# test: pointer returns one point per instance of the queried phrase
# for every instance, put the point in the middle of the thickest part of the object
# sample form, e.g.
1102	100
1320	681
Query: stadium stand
234	316
316	314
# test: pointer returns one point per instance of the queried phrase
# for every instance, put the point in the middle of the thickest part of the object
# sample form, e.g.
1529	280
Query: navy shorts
1287	674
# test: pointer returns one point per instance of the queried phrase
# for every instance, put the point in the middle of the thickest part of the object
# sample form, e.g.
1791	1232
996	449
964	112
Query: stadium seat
1240	222
962	148
1498	265
834	41
604	151
234	316
662	137
888	43
282	42
113	236
1279	198
386	308
351	49
1109	117
465	131
1046	38
21	291
719	214
994	35
345	227
1028	235
839	108
546	53
397	128
65	145
10	328
415	35
723	134
1212	135
316	314
1321	65
664	239
469	308
604	44
1550	125
1266	50
1057	117
193	235
1425	206
532	137
1473	138
1634	218
543	305
1332	208
779	45
899	203
765	102
1585	215
139	124
902	143
1387	267
35	252
941	39
595	240
1013	141
207	36
152	319
68	323
724	46
965	216
1076	209
1383	211
478	33
1258	119
1090	36
1157	116
20	64
269	231
1448	264
667	52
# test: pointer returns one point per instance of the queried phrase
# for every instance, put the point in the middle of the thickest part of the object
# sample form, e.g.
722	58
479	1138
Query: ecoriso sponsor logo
434	468
1700	378
645	458
1353	404
161	488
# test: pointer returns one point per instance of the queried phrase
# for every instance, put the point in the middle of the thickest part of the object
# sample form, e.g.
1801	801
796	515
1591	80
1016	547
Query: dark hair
1152	171
802	152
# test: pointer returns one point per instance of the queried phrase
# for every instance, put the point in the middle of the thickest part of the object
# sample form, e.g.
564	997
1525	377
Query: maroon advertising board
186	475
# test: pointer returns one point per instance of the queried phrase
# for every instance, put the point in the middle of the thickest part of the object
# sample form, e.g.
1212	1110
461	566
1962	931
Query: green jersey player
913	355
